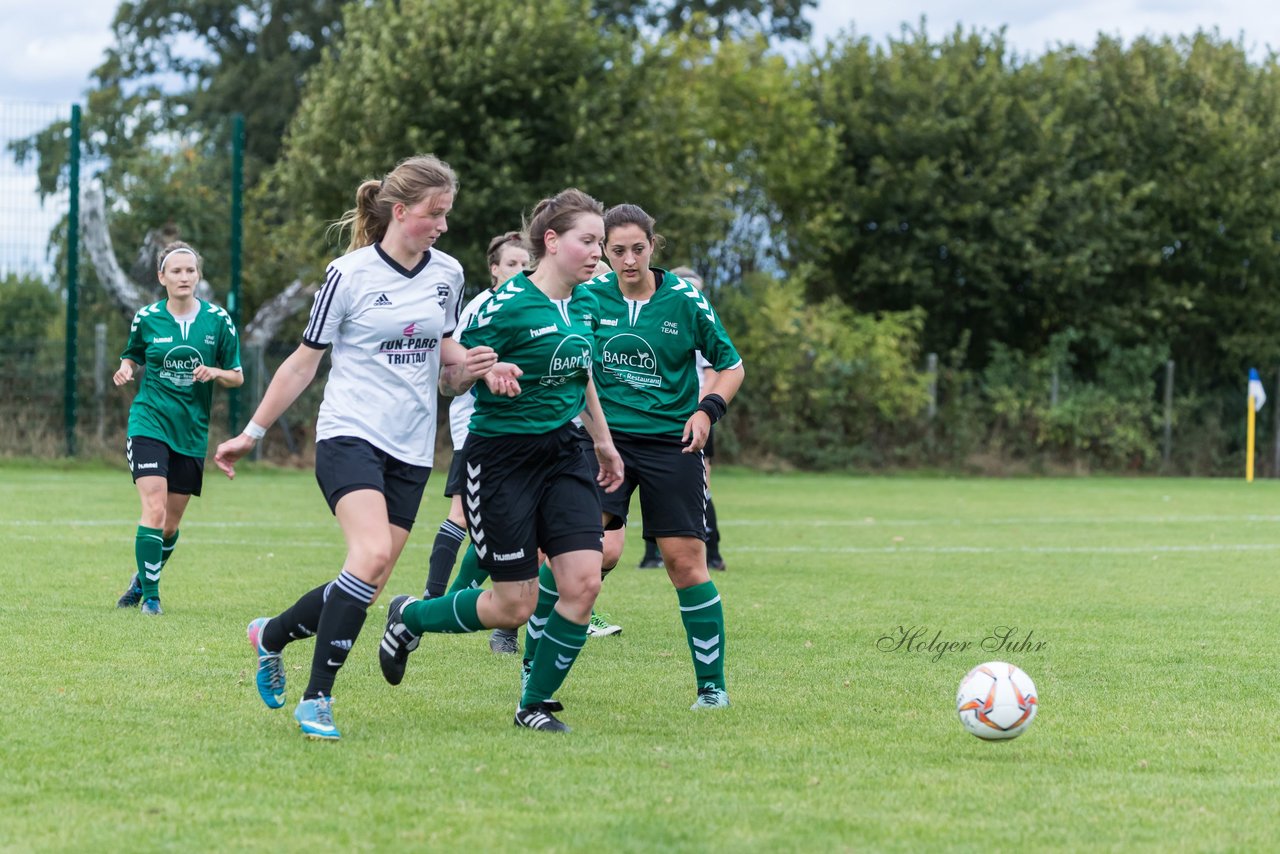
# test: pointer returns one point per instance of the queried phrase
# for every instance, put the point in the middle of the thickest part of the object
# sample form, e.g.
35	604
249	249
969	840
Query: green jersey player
651	327
529	486
185	345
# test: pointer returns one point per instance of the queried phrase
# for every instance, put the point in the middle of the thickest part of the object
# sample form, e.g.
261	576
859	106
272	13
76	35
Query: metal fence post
1167	447
237	229
73	286
100	378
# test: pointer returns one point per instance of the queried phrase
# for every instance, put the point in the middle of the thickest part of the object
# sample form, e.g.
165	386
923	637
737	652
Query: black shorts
152	458
530	492
672	484
709	449
345	464
457	481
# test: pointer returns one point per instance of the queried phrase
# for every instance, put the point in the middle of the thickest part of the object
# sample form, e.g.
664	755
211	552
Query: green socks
562	640
452	613
548	596
148	554
470	575
703	619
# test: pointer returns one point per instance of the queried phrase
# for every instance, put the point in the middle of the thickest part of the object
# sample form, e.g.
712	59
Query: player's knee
580	592
370	560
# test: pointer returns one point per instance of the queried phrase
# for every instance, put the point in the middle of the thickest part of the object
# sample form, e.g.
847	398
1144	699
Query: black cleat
538	716
397	642
132	596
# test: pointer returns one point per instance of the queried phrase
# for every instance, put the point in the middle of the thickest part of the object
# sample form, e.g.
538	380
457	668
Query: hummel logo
341	644
382	300
563	662
604	321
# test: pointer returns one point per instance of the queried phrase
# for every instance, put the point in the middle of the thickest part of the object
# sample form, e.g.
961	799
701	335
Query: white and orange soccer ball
996	701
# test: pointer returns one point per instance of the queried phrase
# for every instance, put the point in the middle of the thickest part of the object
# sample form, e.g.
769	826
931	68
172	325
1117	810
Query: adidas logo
381	300
341	644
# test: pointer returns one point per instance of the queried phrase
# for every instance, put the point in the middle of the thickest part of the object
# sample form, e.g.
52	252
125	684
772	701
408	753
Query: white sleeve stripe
320	311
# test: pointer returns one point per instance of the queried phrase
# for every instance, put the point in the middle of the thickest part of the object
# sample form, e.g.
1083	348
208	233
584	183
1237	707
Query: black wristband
714	407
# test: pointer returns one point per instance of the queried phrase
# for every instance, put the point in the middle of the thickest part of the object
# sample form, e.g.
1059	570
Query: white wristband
254	430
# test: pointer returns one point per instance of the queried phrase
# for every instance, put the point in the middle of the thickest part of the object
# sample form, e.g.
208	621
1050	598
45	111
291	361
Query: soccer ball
996	701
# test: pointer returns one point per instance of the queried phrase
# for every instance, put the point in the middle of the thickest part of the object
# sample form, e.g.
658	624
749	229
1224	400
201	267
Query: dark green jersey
646	353
550	340
171	406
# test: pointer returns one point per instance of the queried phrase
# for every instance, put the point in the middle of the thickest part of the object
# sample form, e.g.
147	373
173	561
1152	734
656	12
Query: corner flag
1257	397
1256	392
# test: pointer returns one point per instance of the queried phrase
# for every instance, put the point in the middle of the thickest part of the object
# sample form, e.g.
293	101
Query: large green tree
523	102
729	18
1128	194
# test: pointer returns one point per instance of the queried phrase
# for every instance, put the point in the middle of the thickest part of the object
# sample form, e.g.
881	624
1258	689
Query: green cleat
601	627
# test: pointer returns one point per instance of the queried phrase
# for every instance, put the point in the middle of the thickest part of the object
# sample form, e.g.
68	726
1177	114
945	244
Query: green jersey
550	340
646	353
171	406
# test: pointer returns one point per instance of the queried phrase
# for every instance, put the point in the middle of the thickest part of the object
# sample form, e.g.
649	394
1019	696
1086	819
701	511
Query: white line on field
864	522
1102	550
1205	548
977	521
108	523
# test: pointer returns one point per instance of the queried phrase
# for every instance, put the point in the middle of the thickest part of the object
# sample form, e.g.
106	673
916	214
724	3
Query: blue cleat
315	719
151	607
132	596
270	677
711	697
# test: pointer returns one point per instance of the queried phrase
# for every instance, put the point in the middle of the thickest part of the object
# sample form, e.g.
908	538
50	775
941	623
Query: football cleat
711	697
538	716
270	676
315	719
132	596
504	641
151	607
397	641
600	627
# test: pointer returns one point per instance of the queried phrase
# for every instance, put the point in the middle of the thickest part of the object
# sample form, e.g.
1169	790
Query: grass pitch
1143	609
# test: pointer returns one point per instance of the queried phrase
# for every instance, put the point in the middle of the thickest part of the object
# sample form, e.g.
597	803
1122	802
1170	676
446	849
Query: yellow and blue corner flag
1256	391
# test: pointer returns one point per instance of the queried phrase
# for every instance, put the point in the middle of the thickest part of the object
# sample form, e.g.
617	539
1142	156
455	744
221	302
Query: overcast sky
50	46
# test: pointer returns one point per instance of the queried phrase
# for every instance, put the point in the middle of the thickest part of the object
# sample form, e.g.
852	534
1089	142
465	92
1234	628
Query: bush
825	387
29	310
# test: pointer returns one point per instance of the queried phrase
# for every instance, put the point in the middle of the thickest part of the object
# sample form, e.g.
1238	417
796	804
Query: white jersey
464	404
385	324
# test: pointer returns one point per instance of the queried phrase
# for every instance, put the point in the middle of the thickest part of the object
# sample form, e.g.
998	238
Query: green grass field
1153	602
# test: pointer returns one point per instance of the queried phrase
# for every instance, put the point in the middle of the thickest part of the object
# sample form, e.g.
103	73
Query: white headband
190	252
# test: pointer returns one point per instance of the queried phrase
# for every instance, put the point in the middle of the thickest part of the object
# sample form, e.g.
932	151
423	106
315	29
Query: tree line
1084	215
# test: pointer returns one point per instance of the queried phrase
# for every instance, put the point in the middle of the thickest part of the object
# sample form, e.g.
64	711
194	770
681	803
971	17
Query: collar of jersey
395	265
